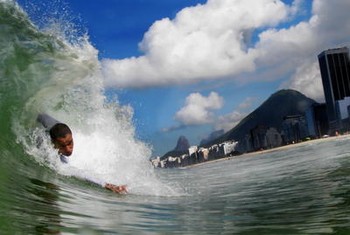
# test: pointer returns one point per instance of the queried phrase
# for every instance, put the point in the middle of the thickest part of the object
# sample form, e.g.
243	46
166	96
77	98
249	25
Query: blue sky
190	67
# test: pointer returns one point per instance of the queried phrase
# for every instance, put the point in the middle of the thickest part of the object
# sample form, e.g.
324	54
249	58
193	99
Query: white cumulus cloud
198	109
201	42
214	40
307	80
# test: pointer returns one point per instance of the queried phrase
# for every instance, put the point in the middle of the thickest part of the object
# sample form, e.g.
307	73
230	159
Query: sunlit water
300	190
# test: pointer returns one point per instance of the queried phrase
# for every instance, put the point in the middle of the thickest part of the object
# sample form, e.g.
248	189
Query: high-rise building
335	73
317	120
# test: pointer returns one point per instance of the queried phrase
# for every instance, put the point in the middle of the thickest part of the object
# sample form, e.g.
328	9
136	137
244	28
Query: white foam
106	149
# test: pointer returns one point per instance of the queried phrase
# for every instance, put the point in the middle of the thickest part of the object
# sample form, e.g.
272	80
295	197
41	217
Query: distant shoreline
284	147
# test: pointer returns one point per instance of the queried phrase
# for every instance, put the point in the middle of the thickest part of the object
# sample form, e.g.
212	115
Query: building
335	73
273	138
258	137
317	120
245	144
229	147
294	129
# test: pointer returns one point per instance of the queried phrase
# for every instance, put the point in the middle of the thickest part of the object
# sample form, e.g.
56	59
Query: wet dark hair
59	130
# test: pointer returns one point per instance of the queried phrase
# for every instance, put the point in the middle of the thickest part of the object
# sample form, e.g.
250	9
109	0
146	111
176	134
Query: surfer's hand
121	189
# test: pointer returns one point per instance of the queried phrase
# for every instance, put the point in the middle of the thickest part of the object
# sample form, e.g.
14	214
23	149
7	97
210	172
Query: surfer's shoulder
46	120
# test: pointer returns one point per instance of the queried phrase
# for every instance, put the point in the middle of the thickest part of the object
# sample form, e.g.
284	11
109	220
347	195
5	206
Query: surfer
62	139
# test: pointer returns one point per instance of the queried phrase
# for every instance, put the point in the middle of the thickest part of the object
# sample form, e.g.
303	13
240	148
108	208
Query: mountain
182	144
270	114
181	148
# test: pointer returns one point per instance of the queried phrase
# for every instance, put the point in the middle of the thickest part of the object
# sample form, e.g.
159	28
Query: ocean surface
52	69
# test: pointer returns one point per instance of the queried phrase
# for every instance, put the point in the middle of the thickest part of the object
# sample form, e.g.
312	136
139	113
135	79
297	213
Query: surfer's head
62	138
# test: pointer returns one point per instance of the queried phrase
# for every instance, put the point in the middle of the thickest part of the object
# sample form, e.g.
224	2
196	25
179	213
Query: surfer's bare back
62	139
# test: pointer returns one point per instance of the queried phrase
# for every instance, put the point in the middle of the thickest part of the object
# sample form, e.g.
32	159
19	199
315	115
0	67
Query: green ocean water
301	190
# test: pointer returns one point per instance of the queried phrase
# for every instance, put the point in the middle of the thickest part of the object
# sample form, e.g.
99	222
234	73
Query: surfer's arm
121	189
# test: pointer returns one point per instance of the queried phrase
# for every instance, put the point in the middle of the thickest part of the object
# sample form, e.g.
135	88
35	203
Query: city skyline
297	124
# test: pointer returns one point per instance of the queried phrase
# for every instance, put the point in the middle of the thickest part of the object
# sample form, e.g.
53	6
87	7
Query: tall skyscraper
335	73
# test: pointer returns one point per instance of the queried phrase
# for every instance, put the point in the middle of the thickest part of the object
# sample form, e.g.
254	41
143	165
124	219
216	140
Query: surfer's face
65	145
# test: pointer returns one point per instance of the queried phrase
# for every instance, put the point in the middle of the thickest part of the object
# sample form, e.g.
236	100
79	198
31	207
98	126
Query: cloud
214	40
200	43
173	128
228	121
247	103
294	50
307	80
198	109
